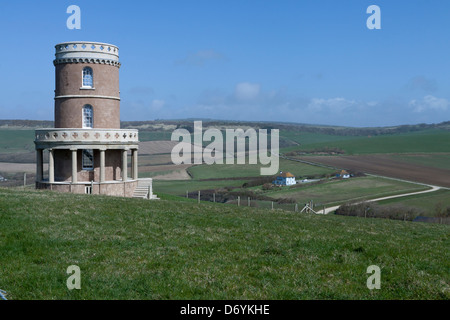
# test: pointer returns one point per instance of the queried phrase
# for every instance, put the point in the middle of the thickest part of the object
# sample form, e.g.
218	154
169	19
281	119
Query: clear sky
297	61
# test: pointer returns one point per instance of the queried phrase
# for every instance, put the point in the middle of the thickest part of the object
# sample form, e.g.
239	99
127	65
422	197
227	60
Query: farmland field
429	202
426	141
386	166
253	170
433	160
179	187
14	140
338	191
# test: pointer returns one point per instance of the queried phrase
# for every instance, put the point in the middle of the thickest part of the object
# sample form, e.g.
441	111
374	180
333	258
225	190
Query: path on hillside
334	208
433	188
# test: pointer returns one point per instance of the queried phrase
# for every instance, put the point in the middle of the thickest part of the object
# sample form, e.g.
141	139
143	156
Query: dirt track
385	166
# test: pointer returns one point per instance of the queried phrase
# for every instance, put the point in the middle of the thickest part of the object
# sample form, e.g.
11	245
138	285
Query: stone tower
87	150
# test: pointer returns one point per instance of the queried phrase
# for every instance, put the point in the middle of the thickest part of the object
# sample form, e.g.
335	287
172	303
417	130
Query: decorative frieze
87	52
86	135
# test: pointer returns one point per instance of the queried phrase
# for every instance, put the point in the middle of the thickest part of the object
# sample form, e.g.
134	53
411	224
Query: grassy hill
136	249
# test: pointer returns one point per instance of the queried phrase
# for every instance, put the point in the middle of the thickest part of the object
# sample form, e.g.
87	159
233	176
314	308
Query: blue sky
296	61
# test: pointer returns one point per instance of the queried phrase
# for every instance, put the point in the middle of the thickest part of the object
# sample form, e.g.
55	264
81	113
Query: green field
253	170
309	138
429	202
136	249
431	140
179	187
339	191
16	141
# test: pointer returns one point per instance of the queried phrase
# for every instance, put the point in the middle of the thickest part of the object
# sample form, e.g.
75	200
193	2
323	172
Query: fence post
296	207
272	205
187	194
214	197
239	200
248	201
198	196
24	180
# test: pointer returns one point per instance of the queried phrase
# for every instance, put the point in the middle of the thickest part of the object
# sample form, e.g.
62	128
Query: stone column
74	166
124	165
102	165
39	165
51	166
135	164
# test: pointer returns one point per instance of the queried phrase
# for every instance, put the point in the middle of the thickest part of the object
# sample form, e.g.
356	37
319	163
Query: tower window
88	116
88	159
88	78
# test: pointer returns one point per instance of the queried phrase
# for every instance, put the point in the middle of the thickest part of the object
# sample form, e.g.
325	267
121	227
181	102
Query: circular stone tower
87	150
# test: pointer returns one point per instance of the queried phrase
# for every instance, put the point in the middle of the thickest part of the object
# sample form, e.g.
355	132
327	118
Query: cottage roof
287	175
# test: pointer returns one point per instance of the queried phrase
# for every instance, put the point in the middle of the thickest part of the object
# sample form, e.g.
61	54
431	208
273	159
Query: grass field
338	191
253	170
428	202
14	141
179	187
136	249
431	140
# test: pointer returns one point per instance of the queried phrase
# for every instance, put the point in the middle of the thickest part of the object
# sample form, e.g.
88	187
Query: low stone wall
118	189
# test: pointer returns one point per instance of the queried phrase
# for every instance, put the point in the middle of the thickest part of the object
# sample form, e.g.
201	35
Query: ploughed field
384	165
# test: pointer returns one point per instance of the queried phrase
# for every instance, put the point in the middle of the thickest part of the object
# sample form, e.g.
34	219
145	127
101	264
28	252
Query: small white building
344	174
285	179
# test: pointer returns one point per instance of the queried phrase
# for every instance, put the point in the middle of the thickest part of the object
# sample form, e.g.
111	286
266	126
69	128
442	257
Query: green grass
339	191
179	187
136	249
13	141
309	138
151	174
431	140
428	202
253	170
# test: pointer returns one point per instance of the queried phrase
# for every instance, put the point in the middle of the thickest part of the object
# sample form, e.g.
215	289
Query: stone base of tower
112	188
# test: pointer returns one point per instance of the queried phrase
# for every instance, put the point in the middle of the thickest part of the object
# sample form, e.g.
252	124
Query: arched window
88	78
88	116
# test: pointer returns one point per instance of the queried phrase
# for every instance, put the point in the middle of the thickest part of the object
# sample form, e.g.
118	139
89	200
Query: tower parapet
87	52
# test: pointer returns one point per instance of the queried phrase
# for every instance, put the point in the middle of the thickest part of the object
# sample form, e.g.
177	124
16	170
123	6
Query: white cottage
285	179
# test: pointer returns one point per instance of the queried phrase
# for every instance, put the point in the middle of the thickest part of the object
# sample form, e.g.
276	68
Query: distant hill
170	125
159	125
26	124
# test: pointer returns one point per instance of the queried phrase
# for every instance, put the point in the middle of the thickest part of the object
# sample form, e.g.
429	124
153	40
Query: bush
267	186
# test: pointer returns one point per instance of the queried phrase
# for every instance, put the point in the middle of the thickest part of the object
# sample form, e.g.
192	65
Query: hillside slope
136	249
